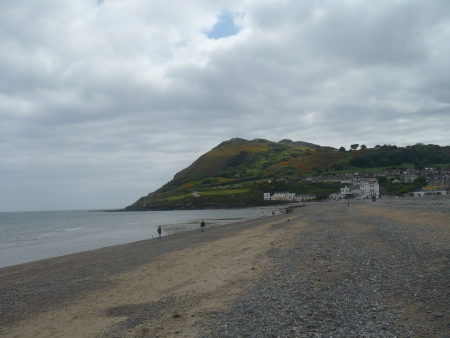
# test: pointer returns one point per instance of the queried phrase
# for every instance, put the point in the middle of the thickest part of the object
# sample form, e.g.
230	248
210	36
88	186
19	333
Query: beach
372	269
31	236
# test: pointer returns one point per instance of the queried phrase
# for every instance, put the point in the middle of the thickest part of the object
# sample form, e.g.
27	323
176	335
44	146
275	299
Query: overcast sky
102	102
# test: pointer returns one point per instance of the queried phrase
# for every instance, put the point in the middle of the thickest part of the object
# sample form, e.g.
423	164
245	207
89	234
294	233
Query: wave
48	234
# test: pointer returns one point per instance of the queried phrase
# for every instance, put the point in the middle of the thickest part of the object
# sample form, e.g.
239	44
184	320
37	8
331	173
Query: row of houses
405	176
370	189
360	188
288	196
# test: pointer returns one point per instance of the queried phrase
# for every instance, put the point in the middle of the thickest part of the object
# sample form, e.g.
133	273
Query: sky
104	101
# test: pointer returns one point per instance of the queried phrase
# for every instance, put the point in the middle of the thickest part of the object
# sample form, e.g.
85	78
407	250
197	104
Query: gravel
335	282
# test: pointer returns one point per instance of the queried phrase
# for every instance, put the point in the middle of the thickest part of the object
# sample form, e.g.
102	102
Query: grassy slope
216	160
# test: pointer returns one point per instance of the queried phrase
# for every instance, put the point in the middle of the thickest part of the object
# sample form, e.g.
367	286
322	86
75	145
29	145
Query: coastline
190	284
59	281
208	206
42	235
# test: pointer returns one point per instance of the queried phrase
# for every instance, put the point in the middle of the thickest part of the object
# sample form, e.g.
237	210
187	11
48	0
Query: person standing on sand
159	232
202	225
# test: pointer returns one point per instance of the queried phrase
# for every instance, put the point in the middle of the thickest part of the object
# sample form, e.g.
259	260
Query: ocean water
35	235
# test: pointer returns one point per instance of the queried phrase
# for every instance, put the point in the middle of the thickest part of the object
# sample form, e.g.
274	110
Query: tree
363	146
419	182
341	149
354	146
383	162
382	179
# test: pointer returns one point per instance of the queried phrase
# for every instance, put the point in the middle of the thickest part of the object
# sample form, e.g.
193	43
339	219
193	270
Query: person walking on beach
159	232
202	225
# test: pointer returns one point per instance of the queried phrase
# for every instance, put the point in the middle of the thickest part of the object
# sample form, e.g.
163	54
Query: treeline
420	155
397	189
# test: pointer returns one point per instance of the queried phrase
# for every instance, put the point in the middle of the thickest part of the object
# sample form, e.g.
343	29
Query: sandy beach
369	269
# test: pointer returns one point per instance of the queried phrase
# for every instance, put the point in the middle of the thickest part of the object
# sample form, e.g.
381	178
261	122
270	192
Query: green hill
237	171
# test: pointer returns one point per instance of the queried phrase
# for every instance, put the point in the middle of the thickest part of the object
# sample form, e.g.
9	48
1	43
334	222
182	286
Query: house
345	192
282	196
434	185
288	196
423	192
370	188
304	198
361	189
335	196
346	180
407	178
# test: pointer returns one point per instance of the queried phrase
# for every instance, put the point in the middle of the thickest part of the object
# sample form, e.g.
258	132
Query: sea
35	235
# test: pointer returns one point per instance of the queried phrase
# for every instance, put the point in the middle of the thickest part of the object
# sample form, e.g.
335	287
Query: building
359	190
429	192
282	196
288	196
304	198
407	178
370	188
335	196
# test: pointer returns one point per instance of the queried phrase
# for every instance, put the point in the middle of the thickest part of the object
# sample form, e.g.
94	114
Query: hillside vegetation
237	172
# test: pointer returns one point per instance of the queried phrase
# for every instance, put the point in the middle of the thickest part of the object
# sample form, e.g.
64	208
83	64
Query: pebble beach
370	269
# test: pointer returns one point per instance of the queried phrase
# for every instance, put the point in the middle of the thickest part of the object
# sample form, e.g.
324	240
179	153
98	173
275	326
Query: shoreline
174	235
105	230
276	204
55	282
191	284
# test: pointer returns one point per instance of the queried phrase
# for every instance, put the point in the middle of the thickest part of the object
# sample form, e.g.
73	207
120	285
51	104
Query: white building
430	192
304	198
362	189
288	196
335	196
282	196
344	192
369	189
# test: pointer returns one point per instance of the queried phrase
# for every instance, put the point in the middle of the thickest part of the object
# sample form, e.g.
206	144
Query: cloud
112	98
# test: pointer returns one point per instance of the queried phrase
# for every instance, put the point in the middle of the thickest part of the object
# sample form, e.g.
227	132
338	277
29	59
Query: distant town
363	185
